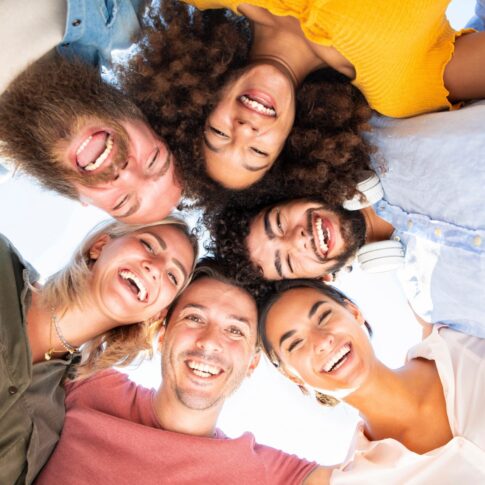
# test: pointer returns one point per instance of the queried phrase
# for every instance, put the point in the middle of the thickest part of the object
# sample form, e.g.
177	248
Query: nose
322	342
298	239
209	339
245	127
152	270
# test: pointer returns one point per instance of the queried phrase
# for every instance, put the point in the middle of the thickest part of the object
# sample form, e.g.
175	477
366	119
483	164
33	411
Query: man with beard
118	432
78	136
432	175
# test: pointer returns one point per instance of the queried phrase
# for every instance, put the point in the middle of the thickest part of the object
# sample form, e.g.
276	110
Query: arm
319	476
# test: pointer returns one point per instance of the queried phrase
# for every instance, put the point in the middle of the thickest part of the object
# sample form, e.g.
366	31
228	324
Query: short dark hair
282	287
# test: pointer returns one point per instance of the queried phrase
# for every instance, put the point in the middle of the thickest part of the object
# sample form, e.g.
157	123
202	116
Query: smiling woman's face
136	276
248	128
319	341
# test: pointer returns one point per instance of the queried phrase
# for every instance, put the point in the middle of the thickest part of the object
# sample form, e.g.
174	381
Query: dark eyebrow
277	263
267	225
195	305
315	307
286	336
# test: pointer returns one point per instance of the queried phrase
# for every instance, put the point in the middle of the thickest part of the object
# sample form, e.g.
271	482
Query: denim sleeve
478	20
96	27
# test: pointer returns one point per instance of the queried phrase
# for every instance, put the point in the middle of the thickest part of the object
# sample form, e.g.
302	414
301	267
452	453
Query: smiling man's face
209	345
303	239
143	187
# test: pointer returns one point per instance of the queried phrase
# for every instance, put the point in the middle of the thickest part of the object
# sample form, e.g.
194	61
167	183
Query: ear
352	308
254	363
160	337
96	249
327	278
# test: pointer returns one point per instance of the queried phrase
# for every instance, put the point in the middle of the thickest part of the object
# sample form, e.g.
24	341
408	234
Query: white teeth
84	144
336	358
322	235
257	106
203	370
142	291
99	161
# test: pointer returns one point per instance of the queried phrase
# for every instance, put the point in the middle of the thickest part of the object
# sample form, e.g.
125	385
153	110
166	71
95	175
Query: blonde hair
120	345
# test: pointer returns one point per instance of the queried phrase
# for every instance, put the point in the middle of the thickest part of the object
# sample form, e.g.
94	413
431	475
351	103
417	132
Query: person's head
209	341
316	337
81	137
228	121
129	274
287	239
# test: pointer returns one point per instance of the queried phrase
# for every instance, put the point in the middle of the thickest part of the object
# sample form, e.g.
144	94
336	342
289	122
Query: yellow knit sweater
399	48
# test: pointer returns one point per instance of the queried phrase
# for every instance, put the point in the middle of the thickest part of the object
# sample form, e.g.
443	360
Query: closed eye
147	246
288	262
154	159
173	278
279	225
323	317
218	132
294	344
259	152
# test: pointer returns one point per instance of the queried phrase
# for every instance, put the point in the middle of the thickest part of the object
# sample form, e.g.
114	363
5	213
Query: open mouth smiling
135	284
259	104
338	359
321	232
205	371
93	152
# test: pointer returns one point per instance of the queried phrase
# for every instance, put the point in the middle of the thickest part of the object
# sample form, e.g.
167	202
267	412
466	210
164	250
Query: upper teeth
203	369
142	291
322	235
335	358
257	106
99	161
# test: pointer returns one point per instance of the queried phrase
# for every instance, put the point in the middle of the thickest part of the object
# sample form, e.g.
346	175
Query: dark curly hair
186	56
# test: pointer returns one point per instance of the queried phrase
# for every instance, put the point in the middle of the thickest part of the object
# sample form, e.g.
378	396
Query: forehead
219	298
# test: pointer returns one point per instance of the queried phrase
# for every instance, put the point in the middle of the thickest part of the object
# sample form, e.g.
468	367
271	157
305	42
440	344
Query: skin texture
289	237
306	329
241	143
144	188
161	256
213	323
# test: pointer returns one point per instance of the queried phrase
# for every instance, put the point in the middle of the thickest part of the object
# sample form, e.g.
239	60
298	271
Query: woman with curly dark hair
188	61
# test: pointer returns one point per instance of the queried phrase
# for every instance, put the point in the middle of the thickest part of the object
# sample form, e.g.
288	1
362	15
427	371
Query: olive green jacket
31	396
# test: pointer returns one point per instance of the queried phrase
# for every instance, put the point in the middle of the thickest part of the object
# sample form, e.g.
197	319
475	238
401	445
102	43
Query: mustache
209	358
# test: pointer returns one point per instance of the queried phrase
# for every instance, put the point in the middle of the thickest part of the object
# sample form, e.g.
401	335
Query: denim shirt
96	27
433	174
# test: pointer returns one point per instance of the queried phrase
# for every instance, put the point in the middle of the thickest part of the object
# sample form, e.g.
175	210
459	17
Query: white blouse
460	360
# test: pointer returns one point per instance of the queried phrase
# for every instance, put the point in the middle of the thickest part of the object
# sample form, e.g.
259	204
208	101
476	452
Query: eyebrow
315	307
286	336
277	263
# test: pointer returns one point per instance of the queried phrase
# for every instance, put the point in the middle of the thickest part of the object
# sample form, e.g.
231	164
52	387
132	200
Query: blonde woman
110	298
421	423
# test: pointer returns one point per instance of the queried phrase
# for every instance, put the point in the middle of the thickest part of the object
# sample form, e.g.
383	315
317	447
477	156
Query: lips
337	359
258	102
94	150
203	370
135	284
323	232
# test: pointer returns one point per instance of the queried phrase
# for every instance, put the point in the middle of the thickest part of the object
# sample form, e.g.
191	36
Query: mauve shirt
111	435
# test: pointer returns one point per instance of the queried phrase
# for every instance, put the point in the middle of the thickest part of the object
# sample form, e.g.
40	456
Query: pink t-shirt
111	435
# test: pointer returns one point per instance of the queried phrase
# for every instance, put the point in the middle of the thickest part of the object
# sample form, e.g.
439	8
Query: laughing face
209	344
143	187
318	341
249	126
136	276
303	239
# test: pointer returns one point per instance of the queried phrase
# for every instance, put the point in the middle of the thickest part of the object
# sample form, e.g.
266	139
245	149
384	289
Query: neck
377	229
388	400
288	50
175	416
76	324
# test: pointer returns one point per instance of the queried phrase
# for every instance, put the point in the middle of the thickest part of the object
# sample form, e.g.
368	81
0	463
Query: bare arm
319	476
464	75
